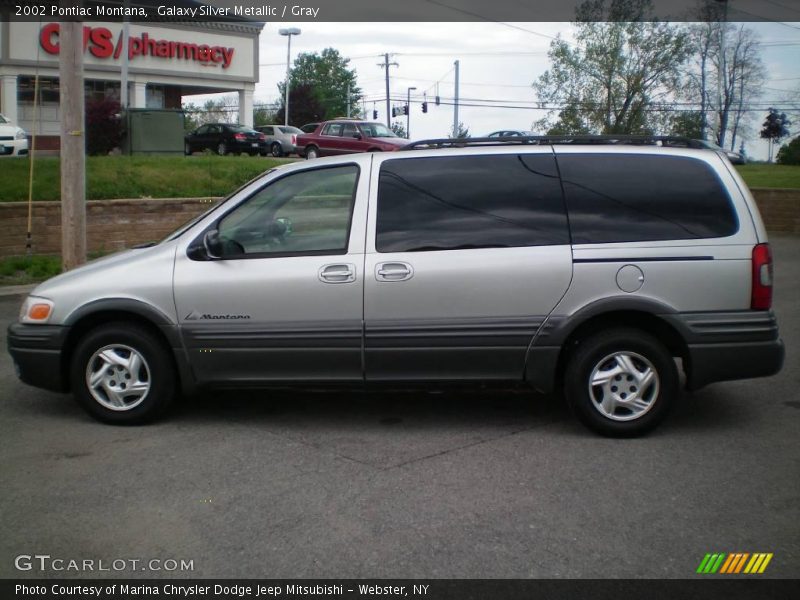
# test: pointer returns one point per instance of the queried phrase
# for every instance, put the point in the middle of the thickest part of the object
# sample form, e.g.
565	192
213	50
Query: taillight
240	137
761	295
262	137
294	139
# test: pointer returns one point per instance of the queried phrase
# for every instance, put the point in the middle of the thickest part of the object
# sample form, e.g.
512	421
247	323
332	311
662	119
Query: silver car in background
281	139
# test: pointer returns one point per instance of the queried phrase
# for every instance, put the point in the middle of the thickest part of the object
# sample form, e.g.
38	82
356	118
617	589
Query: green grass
19	270
135	176
771	176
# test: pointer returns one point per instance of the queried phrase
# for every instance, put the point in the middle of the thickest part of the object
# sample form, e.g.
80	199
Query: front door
284	301
466	256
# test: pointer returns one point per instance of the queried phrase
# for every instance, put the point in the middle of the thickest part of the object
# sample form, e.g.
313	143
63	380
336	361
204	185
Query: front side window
376	130
632	198
349	130
303	213
461	202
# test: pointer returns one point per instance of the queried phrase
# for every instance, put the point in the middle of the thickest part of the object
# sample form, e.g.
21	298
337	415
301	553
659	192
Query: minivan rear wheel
311	152
621	382
121	373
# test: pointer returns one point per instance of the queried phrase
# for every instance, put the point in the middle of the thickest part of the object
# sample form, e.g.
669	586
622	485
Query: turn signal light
761	280
39	312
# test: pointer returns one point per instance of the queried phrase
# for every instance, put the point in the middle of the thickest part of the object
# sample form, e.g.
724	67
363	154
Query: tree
687	123
264	115
103	126
726	73
399	129
789	154
463	132
219	110
326	77
304	107
618	68
775	127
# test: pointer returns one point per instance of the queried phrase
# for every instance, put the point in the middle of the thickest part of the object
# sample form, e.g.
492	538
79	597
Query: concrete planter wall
117	224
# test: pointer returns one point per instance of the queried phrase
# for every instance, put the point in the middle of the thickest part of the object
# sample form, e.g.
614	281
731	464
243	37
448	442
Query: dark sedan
224	138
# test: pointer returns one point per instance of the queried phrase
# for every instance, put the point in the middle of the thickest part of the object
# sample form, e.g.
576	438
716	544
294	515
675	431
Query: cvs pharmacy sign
100	43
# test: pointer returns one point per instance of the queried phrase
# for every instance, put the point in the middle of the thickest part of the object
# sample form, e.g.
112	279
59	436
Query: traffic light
438	101
405	109
394	112
425	107
374	115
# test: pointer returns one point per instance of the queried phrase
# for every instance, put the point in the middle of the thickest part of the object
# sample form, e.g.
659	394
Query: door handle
338	273
393	271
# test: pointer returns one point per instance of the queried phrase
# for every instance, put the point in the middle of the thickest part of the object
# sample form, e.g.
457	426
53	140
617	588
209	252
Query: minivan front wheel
121	373
621	382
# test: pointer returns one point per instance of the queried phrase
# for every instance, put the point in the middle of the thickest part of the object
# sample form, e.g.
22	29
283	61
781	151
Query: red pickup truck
345	136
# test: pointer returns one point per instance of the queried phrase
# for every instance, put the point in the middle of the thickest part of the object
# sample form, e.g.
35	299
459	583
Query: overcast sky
498	62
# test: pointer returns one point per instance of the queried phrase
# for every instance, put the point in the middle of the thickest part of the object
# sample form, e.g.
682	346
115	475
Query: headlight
35	310
21	135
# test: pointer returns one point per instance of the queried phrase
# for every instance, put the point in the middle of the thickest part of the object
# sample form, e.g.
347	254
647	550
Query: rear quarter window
631	198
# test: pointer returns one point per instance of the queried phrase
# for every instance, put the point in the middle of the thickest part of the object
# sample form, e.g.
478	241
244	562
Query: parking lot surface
430	485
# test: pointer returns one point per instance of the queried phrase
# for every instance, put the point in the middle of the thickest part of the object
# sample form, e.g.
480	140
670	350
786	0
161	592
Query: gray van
565	265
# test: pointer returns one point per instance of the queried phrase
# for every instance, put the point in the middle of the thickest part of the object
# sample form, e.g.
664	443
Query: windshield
290	130
376	130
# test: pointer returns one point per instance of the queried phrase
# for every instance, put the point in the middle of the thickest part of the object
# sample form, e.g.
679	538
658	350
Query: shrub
789	154
103	126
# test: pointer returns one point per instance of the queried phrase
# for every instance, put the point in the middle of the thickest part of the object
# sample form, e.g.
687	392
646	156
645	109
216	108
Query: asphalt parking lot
424	485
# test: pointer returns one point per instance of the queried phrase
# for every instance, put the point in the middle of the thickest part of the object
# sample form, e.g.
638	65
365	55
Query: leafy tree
688	124
304	107
264	115
619	66
219	110
325	76
775	127
103	126
463	132
399	129
789	154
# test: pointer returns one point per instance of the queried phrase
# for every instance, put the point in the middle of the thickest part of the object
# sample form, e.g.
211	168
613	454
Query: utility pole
73	146
455	105
386	64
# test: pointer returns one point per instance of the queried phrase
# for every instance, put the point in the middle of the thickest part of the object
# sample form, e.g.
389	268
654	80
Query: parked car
509	133
345	136
281	140
309	127
13	139
579	266
224	138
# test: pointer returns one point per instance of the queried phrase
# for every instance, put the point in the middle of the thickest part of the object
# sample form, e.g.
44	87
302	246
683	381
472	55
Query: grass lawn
19	270
771	176
135	176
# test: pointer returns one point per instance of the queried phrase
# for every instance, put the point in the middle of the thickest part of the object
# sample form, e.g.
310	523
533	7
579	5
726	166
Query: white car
13	139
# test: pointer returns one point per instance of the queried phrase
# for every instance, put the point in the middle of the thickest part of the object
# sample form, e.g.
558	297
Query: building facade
166	61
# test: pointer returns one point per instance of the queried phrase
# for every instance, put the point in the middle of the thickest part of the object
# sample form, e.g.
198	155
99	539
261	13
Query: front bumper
36	350
14	147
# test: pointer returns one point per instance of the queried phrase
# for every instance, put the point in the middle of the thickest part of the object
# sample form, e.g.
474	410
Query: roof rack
636	140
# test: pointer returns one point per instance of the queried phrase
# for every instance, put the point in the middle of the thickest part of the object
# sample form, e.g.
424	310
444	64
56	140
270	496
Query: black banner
734	588
376	10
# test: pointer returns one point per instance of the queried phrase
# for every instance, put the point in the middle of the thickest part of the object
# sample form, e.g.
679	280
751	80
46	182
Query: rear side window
450	203
632	198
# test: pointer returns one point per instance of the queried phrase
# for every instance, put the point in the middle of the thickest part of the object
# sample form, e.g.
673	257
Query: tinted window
266	130
305	212
349	130
469	202
627	198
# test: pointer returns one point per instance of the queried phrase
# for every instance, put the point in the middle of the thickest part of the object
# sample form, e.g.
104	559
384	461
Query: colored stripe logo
734	563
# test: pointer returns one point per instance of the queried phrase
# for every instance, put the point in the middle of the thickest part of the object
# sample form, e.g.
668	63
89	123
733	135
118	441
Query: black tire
311	152
607	351
276	149
187	149
157	371
222	149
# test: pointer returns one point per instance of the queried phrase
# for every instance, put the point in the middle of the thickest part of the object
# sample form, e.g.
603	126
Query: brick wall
116	224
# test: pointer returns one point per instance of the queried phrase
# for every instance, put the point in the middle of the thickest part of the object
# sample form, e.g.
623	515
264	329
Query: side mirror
286	222
212	244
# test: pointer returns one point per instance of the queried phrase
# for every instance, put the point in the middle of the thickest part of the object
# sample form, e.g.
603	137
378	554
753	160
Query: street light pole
408	113
288	33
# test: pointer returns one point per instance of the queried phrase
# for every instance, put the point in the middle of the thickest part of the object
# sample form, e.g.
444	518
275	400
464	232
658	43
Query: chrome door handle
338	273
393	271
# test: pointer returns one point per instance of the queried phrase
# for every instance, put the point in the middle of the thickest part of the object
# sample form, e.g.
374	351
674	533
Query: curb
16	290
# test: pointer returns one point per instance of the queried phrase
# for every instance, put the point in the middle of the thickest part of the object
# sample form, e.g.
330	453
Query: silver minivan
577	267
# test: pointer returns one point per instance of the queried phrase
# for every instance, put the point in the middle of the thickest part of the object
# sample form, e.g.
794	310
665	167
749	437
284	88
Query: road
376	484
